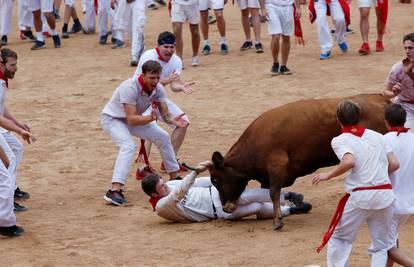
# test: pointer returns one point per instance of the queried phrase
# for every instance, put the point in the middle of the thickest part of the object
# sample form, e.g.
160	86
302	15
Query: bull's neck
239	159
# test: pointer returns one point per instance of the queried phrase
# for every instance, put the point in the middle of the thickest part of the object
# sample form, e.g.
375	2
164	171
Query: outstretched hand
319	177
28	136
188	88
179	121
202	166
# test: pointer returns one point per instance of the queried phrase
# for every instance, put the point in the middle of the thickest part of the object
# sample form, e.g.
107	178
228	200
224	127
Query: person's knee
245	12
219	14
161	139
285	39
275	38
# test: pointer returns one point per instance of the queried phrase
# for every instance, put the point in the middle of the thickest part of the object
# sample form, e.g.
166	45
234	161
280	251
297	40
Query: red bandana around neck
356	130
398	130
159	55
3	77
144	88
153	201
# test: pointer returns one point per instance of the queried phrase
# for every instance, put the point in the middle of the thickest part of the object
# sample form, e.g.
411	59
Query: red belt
340	209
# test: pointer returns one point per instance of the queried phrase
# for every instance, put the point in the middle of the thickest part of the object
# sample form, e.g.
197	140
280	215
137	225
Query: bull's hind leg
277	171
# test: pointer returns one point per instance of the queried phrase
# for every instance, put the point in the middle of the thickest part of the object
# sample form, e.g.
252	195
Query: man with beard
12	147
170	75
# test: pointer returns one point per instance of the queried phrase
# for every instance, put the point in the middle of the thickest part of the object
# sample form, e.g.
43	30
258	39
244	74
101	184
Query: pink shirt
396	75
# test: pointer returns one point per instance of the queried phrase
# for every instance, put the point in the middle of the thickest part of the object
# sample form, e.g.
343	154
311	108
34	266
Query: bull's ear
217	159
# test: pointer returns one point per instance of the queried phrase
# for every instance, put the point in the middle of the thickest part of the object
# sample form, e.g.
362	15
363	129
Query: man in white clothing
197	200
122	118
369	195
6	11
401	141
170	75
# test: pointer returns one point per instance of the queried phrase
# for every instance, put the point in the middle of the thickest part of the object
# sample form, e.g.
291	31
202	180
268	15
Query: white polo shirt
403	179
371	168
131	92
168	67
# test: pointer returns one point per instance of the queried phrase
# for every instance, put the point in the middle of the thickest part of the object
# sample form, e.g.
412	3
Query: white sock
223	40
53	32
206	42
39	36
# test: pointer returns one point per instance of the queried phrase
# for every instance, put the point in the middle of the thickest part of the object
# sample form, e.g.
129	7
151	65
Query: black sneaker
275	69
19	194
77	27
259	48
224	49
115	197
152	7
206	50
4	40
211	19
305	207
118	44
38	45
284	70
113	40
18	207
11	231
56	40
103	39
246	45
295	198
161	2
28	35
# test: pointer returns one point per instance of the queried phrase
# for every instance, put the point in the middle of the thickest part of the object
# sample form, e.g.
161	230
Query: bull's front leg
277	214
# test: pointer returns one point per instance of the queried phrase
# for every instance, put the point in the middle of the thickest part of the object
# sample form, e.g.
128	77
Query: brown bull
285	143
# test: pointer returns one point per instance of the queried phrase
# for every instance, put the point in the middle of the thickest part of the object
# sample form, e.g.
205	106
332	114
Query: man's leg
285	49
254	12
364	26
89	16
178	32
340	24
66	18
246	23
324	33
138	24
221	27
6	10
103	9
380	31
204	31
7	183
195	39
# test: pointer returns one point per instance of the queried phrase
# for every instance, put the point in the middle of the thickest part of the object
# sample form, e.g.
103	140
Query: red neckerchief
3	77
159	55
144	88
398	130
356	130
153	201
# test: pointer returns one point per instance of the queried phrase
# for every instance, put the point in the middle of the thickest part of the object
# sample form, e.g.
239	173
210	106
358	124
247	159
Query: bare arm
166	116
9	116
133	118
393	163
392	90
4	158
347	163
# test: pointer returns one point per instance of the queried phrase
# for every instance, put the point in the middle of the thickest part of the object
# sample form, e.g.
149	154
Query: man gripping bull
122	118
197	200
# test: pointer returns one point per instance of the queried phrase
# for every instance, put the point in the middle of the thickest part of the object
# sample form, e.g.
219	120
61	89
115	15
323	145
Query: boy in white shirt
401	141
369	195
197	200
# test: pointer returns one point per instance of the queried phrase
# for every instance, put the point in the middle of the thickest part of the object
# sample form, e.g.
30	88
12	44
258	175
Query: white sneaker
194	61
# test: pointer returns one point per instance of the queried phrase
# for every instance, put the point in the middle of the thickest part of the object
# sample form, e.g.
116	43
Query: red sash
398	130
3	77
95	6
340	210
298	27
345	8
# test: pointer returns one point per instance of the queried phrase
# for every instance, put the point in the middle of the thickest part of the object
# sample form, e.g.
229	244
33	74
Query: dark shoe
118	44
284	70
11	231
152	7
115	197
65	34
133	62
182	168
113	40
103	39
4	40
38	45
295	198
18	207
275	69
77	27
141	173
206	50
19	194
161	2
27	35
211	19
305	207
246	45
259	48
56	41
224	49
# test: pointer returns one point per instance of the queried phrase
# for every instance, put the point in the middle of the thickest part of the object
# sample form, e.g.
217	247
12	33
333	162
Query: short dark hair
149	182
395	114
348	113
409	37
152	67
5	53
166	38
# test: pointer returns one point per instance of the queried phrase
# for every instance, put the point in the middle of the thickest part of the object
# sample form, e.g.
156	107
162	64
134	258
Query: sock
65	27
53	32
205	42
39	36
223	40
258	42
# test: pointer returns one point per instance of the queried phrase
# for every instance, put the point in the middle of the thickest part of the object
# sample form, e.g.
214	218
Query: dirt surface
61	92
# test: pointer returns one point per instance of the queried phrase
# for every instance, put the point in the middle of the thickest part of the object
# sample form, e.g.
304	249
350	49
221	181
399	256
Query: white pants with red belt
379	224
89	23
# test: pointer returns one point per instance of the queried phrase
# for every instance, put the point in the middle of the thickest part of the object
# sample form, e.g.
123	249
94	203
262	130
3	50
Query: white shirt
130	92
371	168
189	200
403	179
3	89
168	67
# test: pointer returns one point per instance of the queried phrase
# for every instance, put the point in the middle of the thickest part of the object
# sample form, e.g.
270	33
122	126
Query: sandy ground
61	92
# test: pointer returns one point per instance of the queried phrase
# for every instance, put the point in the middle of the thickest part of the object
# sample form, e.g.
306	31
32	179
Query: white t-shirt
403	179
371	168
188	201
168	67
3	89
130	92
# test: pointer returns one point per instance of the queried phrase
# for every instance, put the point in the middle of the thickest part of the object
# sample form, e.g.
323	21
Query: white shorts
181	13
243	4
70	3
398	220
367	3
45	6
204	5
280	19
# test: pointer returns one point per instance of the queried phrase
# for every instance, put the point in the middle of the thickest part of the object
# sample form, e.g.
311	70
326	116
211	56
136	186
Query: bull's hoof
277	225
229	207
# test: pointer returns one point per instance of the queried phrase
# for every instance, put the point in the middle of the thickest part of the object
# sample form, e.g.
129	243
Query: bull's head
229	182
